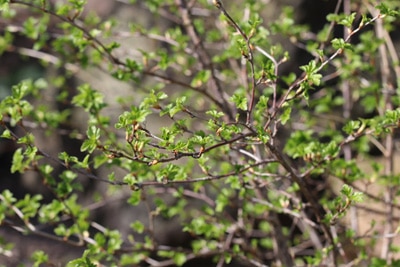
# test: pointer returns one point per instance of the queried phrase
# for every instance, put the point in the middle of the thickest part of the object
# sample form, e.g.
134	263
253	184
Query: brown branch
204	58
306	192
204	178
249	57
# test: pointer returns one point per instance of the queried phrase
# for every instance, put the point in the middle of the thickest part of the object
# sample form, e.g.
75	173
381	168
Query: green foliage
203	129
342	203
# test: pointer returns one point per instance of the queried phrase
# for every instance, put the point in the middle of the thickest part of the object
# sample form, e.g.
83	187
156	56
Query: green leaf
39	257
340	43
6	134
174	108
352	126
137	226
310	68
240	101
78	4
51	212
5	41
386	10
135	198
29	205
93	135
4	5
82	262
17	162
129	179
8	196
346	190
179	258
286	115
89	99
201	78
348	20
27	139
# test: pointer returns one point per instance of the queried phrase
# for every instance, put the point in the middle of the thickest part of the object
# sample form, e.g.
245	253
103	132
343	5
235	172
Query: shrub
253	164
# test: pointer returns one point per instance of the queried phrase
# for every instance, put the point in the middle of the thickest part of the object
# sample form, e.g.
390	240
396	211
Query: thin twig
204	58
305	191
249	57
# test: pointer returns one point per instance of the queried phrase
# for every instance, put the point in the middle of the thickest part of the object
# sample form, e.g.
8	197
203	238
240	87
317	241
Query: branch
303	78
304	190
204	178
249	57
204	58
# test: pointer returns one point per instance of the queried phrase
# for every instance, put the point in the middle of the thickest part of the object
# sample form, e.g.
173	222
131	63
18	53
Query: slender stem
388	142
249	57
204	58
304	190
